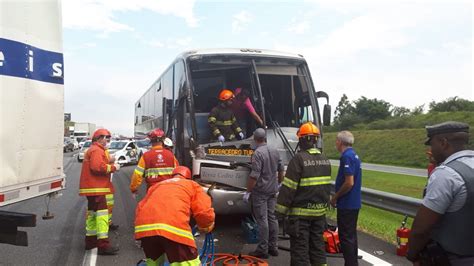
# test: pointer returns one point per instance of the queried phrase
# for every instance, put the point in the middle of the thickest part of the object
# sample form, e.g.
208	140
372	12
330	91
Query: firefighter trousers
306	241
97	222
110	205
157	247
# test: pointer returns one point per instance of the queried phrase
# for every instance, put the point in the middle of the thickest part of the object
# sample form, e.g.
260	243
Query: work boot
113	227
110	250
273	252
259	254
91	242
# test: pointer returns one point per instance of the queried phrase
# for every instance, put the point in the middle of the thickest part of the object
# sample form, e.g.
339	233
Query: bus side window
179	78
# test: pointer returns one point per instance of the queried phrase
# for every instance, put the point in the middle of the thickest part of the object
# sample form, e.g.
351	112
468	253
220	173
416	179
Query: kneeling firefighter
162	219
304	197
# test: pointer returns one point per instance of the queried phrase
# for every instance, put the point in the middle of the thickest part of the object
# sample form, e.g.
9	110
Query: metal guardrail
390	201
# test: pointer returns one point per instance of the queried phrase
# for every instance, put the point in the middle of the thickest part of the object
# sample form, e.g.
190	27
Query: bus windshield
279	90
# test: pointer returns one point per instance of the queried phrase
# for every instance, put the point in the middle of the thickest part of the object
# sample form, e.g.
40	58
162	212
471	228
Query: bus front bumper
228	201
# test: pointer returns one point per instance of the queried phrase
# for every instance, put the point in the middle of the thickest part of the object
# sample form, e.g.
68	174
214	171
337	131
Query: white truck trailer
31	109
83	130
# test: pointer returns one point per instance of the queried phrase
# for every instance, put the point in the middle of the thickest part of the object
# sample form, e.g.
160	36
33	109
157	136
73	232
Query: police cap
446	127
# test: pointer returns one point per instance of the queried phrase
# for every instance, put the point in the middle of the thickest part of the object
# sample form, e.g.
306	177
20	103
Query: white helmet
168	142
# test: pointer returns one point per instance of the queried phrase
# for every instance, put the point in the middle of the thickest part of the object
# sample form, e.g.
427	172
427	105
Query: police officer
263	184
442	230
304	196
222	120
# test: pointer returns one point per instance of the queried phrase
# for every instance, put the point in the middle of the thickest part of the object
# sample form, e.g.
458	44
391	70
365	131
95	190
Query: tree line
365	113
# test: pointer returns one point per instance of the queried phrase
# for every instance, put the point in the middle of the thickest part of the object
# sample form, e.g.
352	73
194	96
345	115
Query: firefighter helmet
182	171
308	129
100	132
156	134
226	95
168	142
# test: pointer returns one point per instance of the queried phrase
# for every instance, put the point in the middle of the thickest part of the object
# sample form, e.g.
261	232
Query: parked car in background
76	144
68	144
81	143
125	151
82	151
144	145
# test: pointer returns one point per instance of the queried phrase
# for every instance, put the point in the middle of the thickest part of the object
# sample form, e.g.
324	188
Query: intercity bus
179	101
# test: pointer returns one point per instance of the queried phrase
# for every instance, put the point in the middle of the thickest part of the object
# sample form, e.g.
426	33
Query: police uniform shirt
446	190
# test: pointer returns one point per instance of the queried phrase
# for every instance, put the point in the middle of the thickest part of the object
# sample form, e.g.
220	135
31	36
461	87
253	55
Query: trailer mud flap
9	223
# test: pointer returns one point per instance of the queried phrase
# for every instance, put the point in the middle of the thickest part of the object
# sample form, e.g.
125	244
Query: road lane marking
372	259
90	257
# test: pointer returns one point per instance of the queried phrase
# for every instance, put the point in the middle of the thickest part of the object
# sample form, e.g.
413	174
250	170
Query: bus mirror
327	115
327	108
322	94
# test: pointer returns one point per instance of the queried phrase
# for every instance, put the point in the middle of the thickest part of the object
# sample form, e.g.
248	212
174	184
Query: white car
76	144
81	144
144	145
82	151
125	151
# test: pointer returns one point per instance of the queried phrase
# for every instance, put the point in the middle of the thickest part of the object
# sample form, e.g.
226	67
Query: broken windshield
284	88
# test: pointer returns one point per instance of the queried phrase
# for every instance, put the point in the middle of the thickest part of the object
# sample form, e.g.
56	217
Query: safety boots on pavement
110	250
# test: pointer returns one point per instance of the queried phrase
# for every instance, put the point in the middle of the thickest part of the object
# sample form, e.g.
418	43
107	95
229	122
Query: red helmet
156	134
225	95
182	171
100	132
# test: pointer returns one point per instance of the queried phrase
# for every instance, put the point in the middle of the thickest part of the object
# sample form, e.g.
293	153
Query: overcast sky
405	52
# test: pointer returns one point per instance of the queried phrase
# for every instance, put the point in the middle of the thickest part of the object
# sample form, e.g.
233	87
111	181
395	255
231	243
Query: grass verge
407	185
402	147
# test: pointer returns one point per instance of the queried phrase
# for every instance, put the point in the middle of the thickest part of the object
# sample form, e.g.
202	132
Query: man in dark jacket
222	120
304	196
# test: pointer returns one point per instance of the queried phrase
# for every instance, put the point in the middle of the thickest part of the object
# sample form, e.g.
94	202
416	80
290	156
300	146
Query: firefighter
304	197
162	219
95	185
156	165
222	120
168	144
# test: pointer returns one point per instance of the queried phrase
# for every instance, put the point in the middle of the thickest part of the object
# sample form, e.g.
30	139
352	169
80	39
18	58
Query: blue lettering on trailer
25	61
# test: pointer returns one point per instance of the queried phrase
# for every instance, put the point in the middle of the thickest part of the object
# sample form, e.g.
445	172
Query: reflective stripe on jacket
95	173
223	122
306	186
167	207
155	165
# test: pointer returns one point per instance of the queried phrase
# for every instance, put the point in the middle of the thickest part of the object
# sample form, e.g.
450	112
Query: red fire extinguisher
402	238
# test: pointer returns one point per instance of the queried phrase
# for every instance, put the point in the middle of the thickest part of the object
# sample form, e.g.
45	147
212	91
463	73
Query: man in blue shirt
347	197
